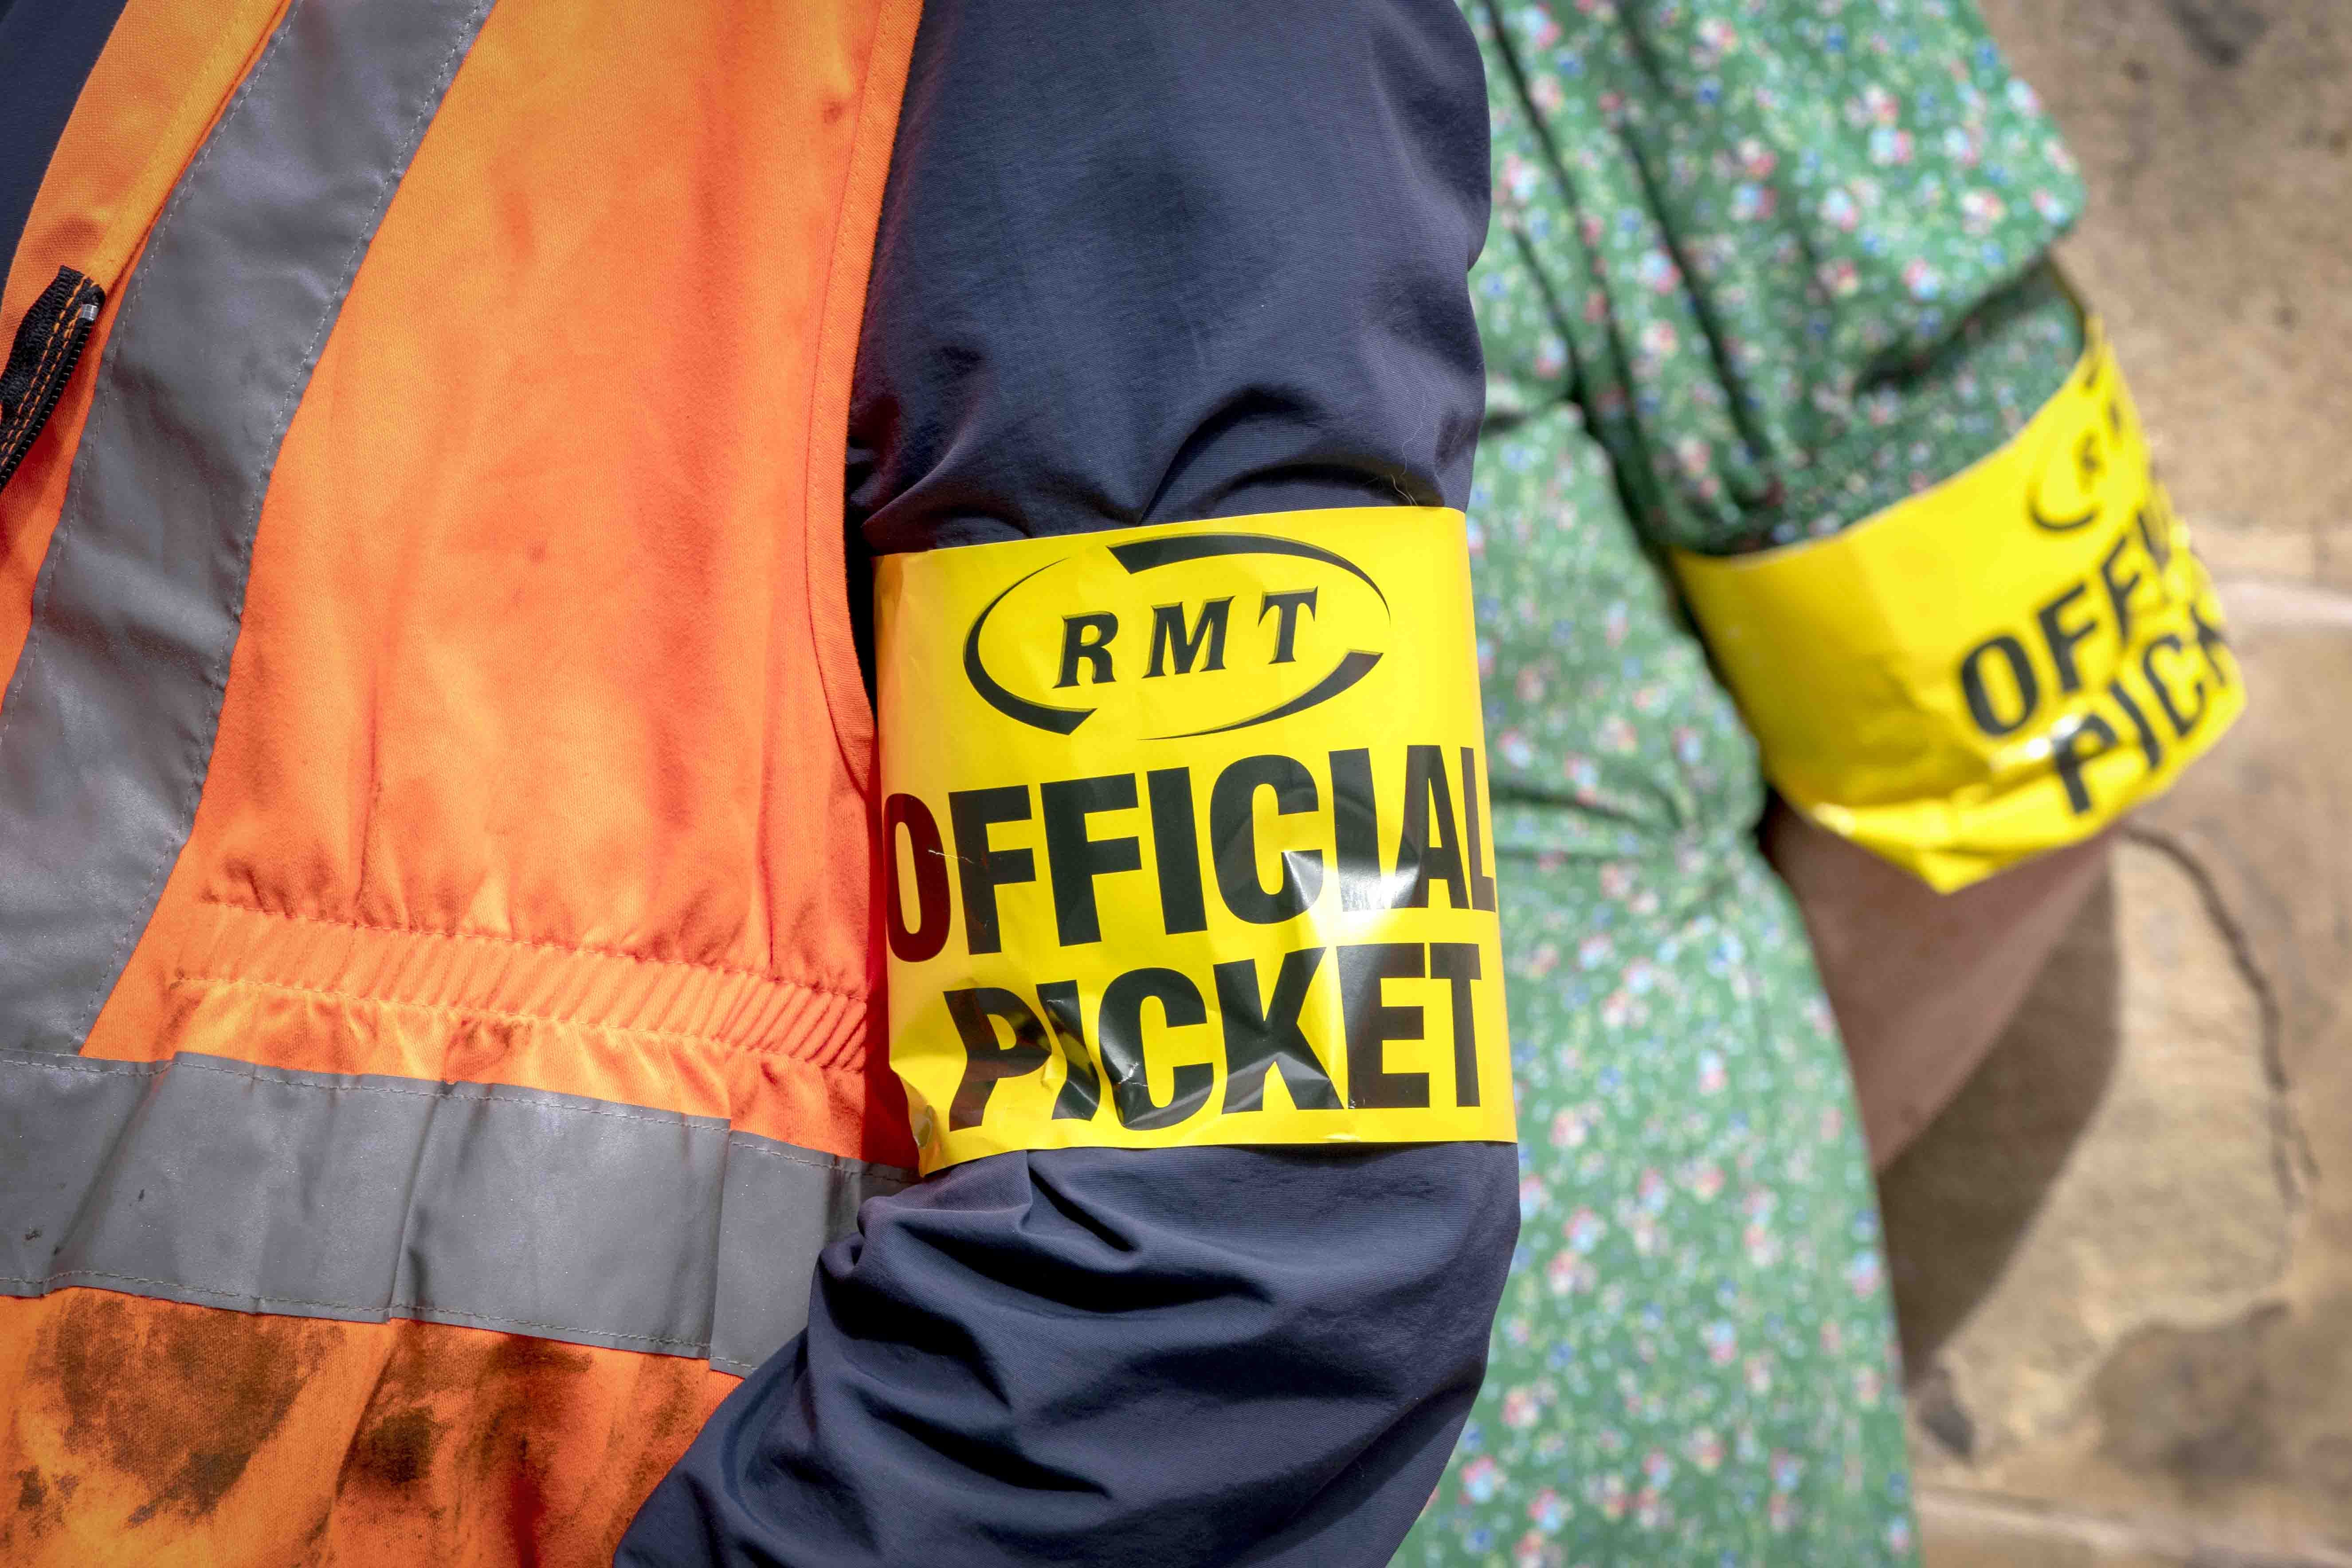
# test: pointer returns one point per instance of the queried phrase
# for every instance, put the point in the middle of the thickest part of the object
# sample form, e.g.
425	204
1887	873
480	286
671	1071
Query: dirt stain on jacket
176	1399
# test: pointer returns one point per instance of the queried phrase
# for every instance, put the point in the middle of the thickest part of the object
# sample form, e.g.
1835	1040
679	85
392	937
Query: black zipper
49	345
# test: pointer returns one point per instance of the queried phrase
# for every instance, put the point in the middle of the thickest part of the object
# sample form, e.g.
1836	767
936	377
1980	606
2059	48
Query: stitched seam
394	1308
53	347
677	1118
50	333
20	434
538	945
736	1138
449	1092
40	402
465	1010
60	355
836	1163
68	1064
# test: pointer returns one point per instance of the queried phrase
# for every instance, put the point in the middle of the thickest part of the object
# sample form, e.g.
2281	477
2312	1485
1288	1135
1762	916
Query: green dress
1759	269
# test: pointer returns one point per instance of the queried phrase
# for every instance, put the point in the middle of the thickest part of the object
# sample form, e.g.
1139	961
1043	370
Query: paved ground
2124	1260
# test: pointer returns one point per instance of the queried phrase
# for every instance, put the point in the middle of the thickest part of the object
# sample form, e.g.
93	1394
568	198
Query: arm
1922	982
1864	341
1141	264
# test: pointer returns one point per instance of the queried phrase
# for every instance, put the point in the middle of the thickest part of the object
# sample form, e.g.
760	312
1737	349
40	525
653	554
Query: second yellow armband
1997	666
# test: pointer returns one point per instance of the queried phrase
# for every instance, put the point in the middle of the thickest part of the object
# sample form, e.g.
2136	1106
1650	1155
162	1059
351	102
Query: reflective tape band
259	1189
107	724
1997	667
1187	838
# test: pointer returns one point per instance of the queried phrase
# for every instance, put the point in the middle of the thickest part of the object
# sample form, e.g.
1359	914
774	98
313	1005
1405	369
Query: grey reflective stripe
107	729
364	1198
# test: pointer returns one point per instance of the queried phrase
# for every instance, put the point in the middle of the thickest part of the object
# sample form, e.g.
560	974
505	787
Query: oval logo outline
1140	556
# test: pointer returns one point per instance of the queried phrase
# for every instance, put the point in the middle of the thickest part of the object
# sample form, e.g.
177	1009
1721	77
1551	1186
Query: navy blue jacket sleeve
48	49
1142	263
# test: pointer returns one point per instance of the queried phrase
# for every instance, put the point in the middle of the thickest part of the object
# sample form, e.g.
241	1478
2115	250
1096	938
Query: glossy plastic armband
1185	837
1997	666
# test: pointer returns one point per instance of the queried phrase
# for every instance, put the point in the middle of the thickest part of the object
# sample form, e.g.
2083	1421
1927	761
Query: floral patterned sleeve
1791	258
1758	269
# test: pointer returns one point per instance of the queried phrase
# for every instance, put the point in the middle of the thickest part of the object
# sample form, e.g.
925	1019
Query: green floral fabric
1758	269
1769	246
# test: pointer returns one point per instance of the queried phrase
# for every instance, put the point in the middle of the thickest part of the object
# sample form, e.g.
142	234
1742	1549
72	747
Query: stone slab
2216	138
2124	1260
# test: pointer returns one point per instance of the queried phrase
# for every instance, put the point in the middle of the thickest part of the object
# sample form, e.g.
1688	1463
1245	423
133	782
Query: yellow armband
1185	836
1994	668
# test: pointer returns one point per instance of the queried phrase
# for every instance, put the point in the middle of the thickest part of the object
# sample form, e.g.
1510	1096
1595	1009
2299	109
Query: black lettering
1356	825
2063	638
1428	802
2066	750
2156	532
1081	1094
2091	456
980	869
1286	606
987	1060
930	930
1372	1023
1457	962
2119	594
1176	850
1087	637
1980	695
1074	860
1474	833
2150	746
1259	1038
2209	641
1233	839
2180	726
1167	635
1120	1029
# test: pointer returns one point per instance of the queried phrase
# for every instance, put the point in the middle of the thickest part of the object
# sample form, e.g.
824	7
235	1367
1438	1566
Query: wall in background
2124	1259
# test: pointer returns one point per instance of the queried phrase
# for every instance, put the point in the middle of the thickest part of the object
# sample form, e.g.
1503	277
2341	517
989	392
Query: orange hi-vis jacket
462	1088
434	784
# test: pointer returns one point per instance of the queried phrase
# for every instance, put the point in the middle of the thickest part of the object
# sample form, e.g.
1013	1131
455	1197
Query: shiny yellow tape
1186	839
1994	668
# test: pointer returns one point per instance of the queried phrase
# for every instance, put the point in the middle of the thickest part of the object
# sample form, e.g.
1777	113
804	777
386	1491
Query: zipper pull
49	345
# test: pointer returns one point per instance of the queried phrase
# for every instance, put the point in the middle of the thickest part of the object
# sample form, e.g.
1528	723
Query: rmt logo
1176	645
1290	625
